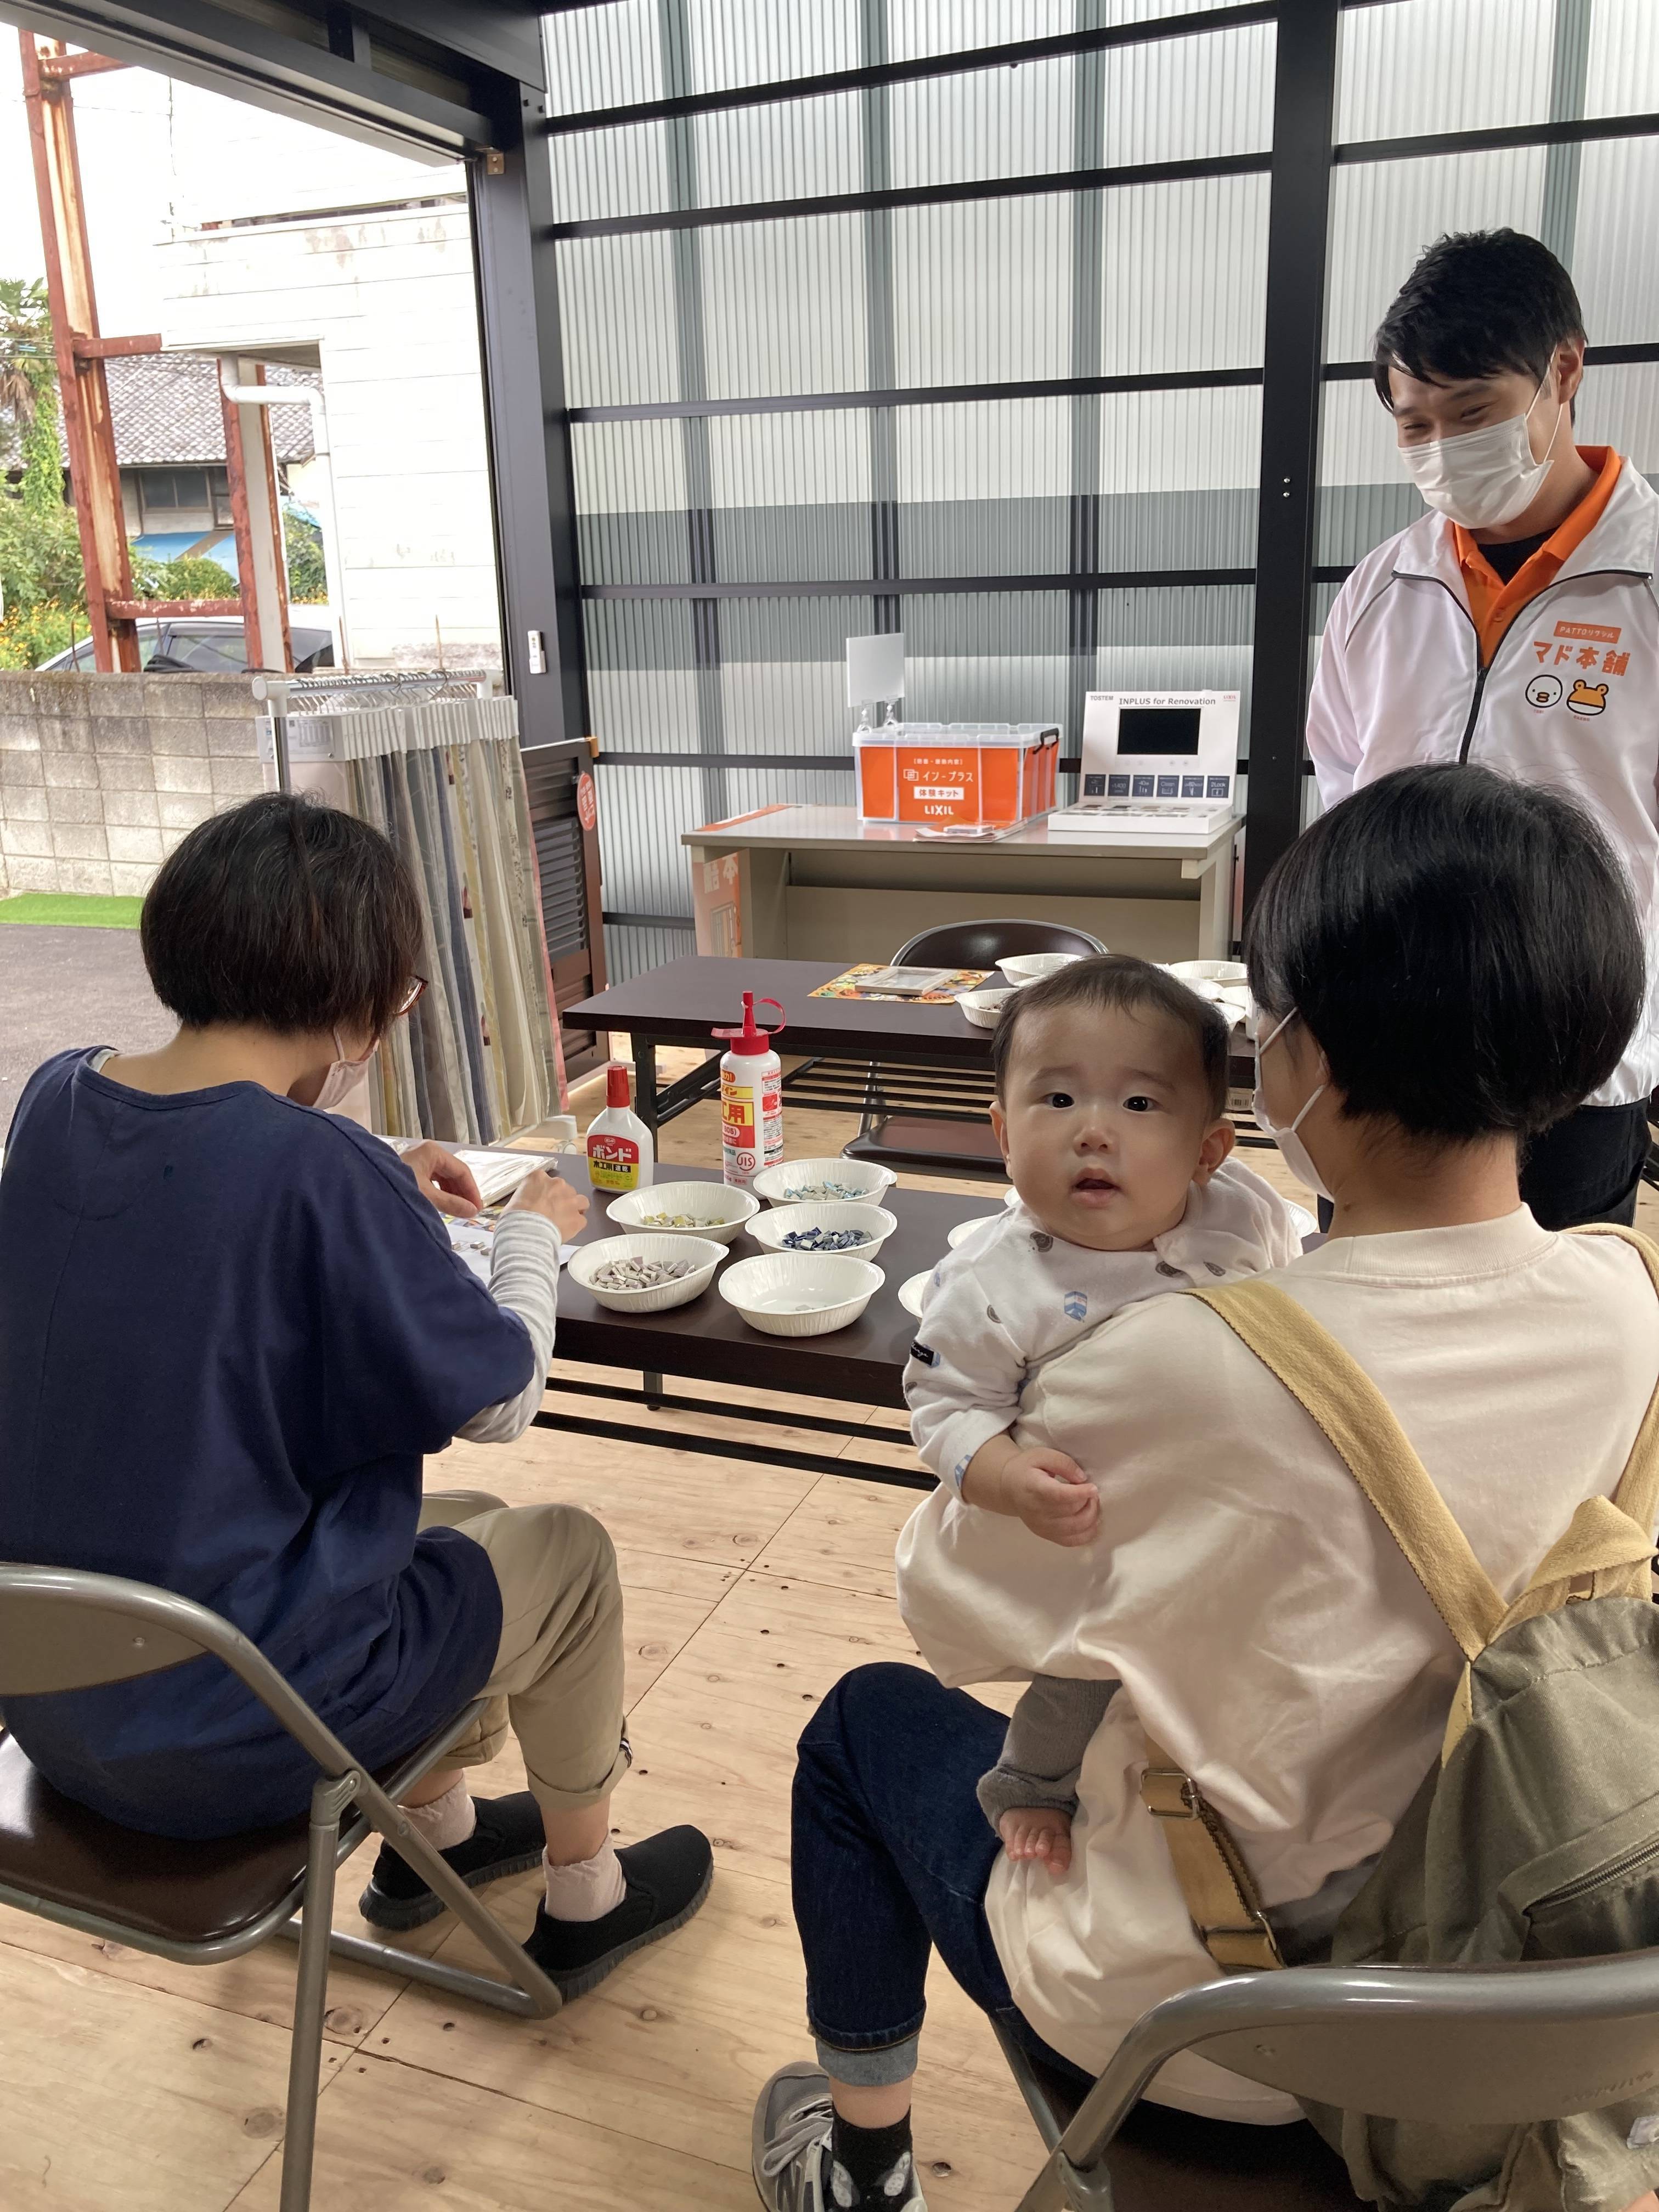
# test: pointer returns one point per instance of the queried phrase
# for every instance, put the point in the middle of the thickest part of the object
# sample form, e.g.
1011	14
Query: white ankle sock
447	1821
587	1890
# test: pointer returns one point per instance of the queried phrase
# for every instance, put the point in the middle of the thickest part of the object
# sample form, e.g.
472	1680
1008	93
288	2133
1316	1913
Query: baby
1111	1082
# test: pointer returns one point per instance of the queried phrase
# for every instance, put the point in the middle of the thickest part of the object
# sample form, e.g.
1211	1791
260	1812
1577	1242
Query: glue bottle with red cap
619	1151
752	1098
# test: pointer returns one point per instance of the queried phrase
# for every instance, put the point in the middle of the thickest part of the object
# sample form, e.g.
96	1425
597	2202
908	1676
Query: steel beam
90	349
55	68
521	351
94	476
250	465
131	610
1305	92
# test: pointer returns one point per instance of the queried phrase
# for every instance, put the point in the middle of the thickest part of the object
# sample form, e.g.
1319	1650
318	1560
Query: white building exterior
384	292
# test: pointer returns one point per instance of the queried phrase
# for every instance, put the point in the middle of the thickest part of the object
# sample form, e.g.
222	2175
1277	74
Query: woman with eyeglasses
231	1328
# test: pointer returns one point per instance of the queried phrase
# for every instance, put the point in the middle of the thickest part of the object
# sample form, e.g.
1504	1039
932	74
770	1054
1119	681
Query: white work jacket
1570	696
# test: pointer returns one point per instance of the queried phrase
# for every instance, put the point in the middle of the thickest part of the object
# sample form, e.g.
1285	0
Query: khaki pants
558	1674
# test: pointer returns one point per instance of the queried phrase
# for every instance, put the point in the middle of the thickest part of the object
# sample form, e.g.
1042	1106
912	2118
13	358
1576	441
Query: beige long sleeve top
1264	1625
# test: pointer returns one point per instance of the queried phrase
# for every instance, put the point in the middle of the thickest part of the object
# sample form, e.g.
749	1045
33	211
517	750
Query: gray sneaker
790	2155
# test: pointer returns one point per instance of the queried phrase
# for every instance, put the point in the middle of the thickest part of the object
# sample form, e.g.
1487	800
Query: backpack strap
1637	1494
1605	1551
1220	1892
1356	1419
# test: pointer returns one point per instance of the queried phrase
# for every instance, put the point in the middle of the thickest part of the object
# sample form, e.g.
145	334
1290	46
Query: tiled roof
165	409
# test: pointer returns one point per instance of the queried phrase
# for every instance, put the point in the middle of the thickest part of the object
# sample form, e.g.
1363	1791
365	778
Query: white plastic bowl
965	1230
801	1293
1209	971
705	1257
876	1223
913	1290
1031	967
719	1210
868	1178
984	1007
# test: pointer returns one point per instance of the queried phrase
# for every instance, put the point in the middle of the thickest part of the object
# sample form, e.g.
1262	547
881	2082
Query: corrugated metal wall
725	329
1416	66
1046	283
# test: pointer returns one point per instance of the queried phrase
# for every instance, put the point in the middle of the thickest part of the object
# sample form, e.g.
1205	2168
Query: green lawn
81	911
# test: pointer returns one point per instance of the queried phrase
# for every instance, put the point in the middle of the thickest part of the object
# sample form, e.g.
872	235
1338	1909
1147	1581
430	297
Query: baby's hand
1037	1832
1052	1495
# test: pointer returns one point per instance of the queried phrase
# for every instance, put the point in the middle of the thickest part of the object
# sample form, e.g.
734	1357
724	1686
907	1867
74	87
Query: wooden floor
128	2085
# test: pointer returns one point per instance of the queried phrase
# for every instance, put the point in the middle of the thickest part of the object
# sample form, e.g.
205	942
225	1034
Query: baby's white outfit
1012	1296
1001	1305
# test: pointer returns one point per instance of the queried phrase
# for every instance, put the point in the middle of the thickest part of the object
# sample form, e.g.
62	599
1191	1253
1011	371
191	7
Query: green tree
28	389
307	572
40	555
191	576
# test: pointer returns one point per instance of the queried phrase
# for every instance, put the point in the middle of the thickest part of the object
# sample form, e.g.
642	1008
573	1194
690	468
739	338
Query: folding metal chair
1453	2045
926	1118
200	1903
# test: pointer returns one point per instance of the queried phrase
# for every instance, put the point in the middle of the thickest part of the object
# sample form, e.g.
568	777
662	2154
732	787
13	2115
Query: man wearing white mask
1514	625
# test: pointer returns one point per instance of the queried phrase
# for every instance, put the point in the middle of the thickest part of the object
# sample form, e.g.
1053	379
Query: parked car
212	645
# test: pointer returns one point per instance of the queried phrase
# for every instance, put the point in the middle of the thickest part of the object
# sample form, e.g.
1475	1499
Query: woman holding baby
1137	1520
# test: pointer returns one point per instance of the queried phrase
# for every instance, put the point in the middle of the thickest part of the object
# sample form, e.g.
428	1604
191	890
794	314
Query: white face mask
342	1074
1294	1152
1485	478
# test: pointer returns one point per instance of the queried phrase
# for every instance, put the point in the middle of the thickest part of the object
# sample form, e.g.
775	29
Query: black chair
928	1118
982	944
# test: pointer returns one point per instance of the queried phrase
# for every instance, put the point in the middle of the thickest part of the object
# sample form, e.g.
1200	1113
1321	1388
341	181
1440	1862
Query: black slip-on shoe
509	1838
667	1877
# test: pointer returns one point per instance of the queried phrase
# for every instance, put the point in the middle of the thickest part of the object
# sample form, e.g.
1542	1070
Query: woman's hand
443	1179
551	1197
1045	1489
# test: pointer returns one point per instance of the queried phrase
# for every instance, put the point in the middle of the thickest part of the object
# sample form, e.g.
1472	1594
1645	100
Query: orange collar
1494	604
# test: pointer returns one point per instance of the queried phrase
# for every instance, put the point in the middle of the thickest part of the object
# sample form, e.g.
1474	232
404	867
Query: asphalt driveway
70	986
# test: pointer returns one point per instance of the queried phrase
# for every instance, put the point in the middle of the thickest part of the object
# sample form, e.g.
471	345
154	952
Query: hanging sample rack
431	759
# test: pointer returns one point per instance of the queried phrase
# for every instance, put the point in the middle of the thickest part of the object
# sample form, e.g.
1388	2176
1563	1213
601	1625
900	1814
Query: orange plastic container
973	773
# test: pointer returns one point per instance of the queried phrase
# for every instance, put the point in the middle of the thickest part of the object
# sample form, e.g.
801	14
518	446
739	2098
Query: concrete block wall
102	776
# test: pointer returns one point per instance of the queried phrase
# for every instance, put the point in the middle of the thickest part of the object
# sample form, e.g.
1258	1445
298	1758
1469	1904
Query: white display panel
1153	745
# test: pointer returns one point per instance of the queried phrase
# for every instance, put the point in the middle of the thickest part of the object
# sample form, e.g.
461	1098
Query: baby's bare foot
1037	1832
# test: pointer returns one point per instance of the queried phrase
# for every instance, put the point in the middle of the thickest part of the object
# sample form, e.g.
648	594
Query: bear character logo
1587	699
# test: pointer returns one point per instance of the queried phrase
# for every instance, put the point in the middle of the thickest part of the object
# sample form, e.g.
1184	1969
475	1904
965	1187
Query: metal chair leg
526	1991
328	1802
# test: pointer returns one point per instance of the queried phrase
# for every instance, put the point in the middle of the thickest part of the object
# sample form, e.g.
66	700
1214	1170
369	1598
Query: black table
709	1340
876	1056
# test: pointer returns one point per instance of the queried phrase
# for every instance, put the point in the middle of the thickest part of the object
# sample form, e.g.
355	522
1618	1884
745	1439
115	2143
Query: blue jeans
891	1859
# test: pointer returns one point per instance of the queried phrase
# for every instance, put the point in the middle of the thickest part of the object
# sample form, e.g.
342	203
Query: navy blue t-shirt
230	1327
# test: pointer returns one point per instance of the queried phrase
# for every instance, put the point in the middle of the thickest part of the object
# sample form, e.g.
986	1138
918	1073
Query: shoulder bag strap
1219	1890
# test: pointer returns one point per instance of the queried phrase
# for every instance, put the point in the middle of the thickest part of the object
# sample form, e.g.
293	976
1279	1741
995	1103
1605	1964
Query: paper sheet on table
475	1239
